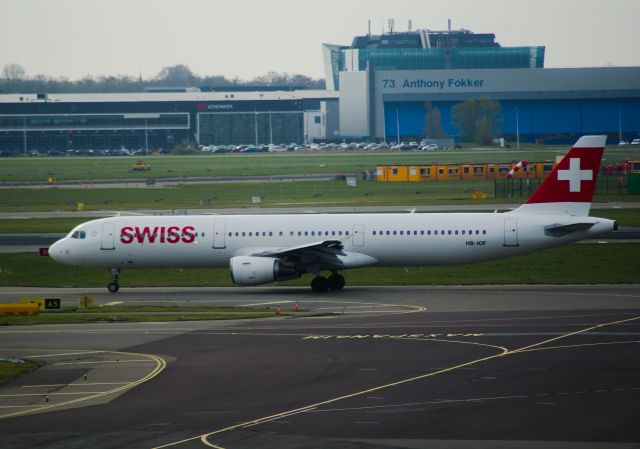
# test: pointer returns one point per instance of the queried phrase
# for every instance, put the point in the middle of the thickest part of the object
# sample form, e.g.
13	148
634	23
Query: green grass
87	168
39	225
71	315
11	370
624	217
276	194
610	263
305	194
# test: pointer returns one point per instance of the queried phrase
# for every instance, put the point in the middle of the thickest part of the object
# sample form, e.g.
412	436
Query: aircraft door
358	235
510	232
108	236
218	235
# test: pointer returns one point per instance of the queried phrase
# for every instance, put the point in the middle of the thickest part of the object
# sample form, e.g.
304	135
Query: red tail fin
570	186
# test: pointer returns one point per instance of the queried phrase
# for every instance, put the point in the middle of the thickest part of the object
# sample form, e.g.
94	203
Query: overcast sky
74	38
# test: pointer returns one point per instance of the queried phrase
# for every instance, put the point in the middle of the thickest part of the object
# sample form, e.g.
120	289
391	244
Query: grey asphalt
416	367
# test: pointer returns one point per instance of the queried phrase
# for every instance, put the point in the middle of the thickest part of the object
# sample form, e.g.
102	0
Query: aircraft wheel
336	281
113	287
319	284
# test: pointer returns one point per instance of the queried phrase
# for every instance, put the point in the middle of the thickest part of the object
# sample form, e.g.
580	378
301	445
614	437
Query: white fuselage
387	239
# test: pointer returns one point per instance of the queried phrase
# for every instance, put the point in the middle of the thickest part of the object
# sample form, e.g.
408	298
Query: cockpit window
83	234
79	235
75	234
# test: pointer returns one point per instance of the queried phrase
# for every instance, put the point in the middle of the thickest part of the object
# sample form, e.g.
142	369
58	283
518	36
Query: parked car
430	147
635	142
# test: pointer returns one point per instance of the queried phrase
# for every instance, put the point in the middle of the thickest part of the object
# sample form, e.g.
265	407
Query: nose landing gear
113	285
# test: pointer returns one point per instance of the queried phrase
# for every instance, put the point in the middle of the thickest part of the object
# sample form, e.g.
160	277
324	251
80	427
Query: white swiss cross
574	175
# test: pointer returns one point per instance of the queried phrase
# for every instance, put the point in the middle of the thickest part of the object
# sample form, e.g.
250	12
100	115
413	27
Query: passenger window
346	233
374	232
313	233
333	232
456	232
422	232
484	232
395	232
401	232
243	234
477	232
449	232
340	232
299	233
463	232
230	234
435	232
387	232
270	234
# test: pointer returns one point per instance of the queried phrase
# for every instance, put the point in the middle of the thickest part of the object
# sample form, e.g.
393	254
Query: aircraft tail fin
569	187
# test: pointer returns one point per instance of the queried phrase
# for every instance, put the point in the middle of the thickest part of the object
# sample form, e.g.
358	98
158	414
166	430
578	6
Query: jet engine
251	270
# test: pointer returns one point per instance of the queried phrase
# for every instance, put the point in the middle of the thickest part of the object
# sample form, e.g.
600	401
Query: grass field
72	315
609	263
11	370
624	217
273	194
88	168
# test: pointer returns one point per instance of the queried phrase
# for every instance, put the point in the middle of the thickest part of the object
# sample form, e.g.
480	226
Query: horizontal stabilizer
558	230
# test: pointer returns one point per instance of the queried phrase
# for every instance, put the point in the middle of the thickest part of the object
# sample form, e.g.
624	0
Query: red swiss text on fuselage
157	234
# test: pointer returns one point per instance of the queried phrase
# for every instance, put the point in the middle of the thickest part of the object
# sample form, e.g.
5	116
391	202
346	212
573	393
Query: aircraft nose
57	251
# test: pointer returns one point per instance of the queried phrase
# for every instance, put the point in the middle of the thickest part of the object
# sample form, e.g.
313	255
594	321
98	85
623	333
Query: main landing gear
114	286
322	284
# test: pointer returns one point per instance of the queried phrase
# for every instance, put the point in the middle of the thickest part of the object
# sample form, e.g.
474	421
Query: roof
172	96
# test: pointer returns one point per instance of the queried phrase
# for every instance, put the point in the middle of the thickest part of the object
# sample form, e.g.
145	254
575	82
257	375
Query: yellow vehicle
141	166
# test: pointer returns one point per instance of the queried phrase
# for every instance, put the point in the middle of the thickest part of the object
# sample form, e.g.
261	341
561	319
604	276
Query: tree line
14	79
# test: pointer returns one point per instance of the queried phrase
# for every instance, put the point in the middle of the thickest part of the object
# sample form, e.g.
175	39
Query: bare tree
14	72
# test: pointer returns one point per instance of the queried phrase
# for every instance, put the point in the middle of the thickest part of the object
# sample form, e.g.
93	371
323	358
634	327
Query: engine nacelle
251	270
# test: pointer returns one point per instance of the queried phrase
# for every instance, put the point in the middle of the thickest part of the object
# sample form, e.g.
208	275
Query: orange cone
278	310
296	308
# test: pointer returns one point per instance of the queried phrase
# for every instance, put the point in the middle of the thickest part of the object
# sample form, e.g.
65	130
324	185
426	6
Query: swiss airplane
264	248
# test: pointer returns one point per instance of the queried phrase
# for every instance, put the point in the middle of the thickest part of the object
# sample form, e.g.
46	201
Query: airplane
260	249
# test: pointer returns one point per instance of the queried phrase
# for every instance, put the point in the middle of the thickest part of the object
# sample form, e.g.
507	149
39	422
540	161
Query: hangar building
387	82
153	120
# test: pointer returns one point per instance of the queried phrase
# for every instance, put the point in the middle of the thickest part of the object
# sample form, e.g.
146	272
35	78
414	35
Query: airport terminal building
387	82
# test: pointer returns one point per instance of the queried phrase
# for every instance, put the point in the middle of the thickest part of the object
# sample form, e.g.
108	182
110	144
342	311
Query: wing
316	256
325	246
